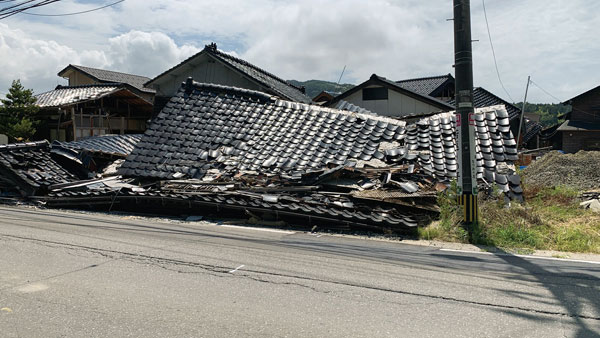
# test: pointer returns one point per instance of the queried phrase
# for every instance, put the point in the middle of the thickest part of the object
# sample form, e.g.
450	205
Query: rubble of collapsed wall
229	151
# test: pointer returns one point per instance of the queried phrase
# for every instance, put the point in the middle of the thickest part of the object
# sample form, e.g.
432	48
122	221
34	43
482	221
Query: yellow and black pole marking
469	203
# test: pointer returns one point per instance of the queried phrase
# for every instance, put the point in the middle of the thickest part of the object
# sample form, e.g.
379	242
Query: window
380	93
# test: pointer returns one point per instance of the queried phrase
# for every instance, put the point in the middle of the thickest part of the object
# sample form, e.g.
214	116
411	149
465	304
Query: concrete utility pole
465	130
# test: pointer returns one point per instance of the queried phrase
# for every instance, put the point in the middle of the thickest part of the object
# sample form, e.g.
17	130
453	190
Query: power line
545	91
75	13
22	6
493	51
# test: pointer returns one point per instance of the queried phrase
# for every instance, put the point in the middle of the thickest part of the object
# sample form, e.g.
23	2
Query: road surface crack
159	261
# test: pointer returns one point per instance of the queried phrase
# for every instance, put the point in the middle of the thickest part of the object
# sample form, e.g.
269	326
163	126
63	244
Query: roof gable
570	101
379	80
270	82
109	76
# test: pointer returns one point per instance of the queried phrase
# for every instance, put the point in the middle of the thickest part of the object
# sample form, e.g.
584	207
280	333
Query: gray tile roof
114	145
237	130
278	86
109	76
425	85
68	95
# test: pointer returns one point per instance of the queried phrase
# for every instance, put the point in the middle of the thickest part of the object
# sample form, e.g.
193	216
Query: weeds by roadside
551	219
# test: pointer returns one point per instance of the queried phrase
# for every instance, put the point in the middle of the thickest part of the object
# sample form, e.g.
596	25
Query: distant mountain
314	87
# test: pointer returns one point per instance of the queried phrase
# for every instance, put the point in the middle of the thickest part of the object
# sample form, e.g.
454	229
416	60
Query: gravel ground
579	171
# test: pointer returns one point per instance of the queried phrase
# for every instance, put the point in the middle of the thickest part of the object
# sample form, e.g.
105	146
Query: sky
554	41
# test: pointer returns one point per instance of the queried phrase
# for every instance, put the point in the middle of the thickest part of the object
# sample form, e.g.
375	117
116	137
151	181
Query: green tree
18	113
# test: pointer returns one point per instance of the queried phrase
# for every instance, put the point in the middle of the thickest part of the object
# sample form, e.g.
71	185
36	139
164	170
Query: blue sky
556	42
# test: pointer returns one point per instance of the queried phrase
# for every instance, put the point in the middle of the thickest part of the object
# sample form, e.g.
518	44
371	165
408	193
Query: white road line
255	229
524	256
236	269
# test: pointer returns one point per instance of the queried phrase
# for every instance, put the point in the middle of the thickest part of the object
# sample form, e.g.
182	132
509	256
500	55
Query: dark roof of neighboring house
483	98
584	93
570	125
325	96
114	145
67	95
109	76
30	168
274	84
427	85
375	79
532	128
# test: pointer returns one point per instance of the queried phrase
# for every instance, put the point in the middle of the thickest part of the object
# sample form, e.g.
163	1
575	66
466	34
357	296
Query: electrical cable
494	52
75	13
545	91
22	6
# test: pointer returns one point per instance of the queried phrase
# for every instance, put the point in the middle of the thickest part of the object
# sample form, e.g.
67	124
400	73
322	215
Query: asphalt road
66	274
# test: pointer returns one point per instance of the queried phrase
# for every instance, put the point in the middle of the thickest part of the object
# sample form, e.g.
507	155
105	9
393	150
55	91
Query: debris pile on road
579	171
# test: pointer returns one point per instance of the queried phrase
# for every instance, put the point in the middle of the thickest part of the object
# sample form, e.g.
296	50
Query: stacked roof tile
30	168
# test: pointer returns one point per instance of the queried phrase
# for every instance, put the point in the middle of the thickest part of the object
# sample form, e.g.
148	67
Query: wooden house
81	75
214	66
387	98
73	112
581	129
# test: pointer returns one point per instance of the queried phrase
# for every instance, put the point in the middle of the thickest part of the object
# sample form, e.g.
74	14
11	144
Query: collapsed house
232	151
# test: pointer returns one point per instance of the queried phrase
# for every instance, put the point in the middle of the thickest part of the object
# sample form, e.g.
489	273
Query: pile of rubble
579	171
229	151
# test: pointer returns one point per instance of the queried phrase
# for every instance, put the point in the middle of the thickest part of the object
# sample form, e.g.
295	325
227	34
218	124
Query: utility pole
465	122
522	113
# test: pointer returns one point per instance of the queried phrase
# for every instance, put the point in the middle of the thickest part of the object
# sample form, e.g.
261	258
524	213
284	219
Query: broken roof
68	95
109	76
274	84
427	85
236	130
30	168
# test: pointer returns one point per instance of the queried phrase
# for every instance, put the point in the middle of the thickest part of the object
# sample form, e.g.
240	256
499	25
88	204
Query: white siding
397	104
201	69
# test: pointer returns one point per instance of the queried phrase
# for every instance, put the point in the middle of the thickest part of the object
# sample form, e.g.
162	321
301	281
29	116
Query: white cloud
145	53
36	62
305	39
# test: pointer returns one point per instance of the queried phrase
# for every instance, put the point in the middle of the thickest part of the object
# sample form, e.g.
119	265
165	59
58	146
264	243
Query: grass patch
551	219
